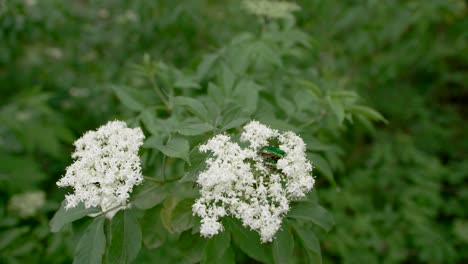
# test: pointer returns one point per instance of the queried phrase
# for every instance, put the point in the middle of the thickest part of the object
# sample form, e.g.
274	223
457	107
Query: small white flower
27	204
239	182
106	167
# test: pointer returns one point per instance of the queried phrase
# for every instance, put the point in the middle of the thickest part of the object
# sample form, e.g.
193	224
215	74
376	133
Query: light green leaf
309	241
127	99
205	66
246	94
64	216
312	88
195	129
285	104
175	148
314	213
126	238
367	112
228	79
154	125
337	108
233	117
92	244
194	106
216	247
283	245
186	82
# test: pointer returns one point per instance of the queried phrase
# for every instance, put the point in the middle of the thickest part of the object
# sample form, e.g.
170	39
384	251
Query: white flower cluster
27	204
106	167
270	8
238	182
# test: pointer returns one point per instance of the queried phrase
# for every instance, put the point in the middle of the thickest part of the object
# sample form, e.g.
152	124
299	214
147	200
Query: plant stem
151	179
158	91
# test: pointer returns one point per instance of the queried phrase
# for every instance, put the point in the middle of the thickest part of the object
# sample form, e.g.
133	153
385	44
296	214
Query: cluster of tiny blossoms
106	167
270	8
27	204
237	181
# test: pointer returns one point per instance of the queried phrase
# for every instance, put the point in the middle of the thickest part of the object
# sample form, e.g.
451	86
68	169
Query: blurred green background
402	190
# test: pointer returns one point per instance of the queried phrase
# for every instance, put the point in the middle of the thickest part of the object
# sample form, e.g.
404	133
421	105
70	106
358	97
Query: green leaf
460	229
367	112
228	257
228	79
285	104
233	117
249	241
176	215
216	247
205	66
127	99
312	88
194	106
7	237
309	241
92	244
154	125
175	148
197	164
126	237
151	195
322	166
154	233
314	213
246	95
337	108
184	81
195	129
283	245
64	216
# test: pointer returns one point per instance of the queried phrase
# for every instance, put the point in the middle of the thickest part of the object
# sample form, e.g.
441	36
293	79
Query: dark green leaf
249	242
309	241
197	164
151	195
7	237
314	213
177	215
322	166
126	238
228	257
92	244
283	245
216	247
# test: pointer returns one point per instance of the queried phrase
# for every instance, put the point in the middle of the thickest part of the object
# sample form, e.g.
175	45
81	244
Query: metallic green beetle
271	155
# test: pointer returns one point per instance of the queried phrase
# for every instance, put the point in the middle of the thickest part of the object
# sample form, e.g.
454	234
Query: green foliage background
398	191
